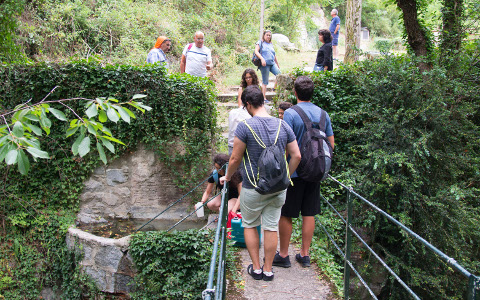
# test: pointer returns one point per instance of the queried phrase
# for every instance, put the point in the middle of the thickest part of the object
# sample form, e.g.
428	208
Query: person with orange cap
157	53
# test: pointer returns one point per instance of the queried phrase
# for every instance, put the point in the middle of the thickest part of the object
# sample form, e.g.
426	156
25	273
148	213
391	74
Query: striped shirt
196	60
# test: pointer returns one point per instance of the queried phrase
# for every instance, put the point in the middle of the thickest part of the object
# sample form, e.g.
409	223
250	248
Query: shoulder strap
306	120
190	46
323	119
215	176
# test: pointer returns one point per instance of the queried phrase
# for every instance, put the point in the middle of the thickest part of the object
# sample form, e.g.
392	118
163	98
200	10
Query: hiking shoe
254	275
303	260
283	262
268	276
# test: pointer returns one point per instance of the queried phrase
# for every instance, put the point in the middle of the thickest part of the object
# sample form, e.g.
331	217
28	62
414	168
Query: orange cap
160	41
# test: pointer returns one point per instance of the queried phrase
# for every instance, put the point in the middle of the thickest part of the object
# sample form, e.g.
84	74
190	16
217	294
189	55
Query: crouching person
260	142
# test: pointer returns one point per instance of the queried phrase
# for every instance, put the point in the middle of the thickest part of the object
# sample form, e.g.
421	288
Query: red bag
231	215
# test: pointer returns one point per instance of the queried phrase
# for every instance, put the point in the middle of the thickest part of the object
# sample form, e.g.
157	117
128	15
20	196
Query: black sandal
253	274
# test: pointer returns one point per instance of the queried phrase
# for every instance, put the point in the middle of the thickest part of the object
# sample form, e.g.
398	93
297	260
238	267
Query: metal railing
473	292
219	253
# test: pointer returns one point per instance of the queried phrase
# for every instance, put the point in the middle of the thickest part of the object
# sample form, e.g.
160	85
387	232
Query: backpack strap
189	47
323	119
262	144
306	120
215	176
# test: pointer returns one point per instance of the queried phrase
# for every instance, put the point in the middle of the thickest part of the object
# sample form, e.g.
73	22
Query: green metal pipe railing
473	292
218	292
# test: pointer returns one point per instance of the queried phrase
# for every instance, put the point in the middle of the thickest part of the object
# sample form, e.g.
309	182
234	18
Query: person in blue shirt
302	197
157	54
335	31
264	50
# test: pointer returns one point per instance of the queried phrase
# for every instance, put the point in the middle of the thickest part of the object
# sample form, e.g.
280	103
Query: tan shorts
261	209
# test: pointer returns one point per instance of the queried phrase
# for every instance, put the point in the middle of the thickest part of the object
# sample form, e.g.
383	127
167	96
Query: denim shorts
266	72
261	209
318	68
335	41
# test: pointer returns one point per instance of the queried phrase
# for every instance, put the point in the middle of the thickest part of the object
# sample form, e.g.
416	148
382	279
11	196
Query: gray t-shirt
266	128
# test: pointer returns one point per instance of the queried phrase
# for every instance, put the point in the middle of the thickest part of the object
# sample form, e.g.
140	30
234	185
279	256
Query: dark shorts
335	41
302	197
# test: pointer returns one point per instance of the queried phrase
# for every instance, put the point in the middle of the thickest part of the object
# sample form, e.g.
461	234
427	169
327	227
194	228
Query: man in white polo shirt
196	58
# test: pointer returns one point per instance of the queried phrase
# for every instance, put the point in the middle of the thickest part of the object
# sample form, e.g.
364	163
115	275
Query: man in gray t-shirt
256	208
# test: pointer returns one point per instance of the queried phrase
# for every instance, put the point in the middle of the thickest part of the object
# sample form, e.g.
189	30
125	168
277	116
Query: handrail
218	292
473	281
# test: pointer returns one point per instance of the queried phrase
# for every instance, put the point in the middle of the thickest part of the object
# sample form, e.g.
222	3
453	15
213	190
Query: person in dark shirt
234	187
324	60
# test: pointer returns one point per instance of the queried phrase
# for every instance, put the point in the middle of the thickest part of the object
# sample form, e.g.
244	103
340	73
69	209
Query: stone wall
136	185
106	261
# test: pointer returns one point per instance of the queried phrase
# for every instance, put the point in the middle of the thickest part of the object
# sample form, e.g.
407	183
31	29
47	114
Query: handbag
255	60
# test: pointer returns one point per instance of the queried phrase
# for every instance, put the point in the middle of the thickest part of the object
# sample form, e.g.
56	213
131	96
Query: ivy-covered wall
183	117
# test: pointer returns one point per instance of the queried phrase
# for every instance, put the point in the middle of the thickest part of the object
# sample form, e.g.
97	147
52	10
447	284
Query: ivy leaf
11	157
92	111
18	130
84	147
103	157
38	153
102	116
107	144
23	162
58	114
37	130
77	143
71	131
112	115
125	116
113	139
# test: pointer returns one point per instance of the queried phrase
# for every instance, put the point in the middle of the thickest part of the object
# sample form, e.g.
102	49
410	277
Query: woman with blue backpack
234	188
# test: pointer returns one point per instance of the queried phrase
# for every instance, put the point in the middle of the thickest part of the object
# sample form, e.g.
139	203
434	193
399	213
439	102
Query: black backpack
315	149
273	175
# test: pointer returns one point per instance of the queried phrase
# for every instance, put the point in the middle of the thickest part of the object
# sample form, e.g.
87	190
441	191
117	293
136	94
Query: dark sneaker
267	277
283	262
303	260
253	274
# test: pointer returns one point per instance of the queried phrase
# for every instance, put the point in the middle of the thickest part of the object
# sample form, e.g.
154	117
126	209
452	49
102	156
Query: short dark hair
221	159
327	36
304	87
253	95
285	105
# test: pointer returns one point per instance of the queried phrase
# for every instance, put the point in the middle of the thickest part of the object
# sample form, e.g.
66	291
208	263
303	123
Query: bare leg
270	246
251	240
264	90
308	227
334	51
214	205
285	230
231	203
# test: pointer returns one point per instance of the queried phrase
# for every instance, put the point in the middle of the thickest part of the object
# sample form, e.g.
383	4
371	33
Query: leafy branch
27	122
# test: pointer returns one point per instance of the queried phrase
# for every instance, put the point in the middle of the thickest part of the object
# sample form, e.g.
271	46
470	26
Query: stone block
115	176
108	257
98	276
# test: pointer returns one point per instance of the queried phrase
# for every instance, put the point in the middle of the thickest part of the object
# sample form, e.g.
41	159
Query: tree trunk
415	35
352	32
452	15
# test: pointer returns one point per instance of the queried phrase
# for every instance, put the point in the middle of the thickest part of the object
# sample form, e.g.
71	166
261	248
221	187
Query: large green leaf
92	111
37	130
71	131
3	139
23	162
45	122
3	151
129	112
77	143
103	157
58	114
113	139
112	115
84	147
123	113
138	96
38	153
107	144
18	129
11	157
102	116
